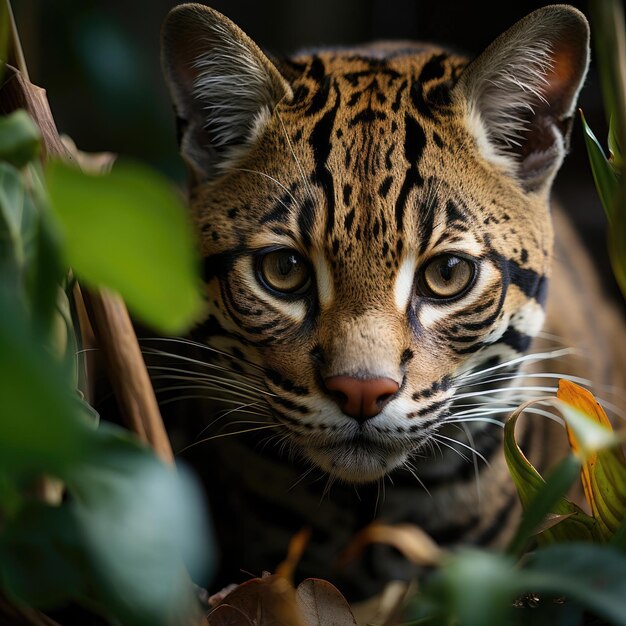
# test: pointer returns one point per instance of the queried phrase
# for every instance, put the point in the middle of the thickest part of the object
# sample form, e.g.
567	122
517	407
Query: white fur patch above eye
404	282
324	278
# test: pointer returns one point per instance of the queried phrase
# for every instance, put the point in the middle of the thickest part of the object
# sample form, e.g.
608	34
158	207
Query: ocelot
377	236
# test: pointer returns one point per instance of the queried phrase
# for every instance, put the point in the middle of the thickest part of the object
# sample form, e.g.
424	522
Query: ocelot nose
361	398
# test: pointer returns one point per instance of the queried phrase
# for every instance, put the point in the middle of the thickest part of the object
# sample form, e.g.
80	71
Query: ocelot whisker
193	397
329	483
176	373
447	445
202	346
470	439
203	364
265	175
474	394
411	469
200	385
535	356
486	420
490	403
208	378
301	478
521	375
305	180
238	432
238	409
463	445
213	385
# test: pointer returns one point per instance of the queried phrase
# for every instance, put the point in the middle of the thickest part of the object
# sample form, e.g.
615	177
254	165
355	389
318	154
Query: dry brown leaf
92	162
227	615
321	604
410	540
269	601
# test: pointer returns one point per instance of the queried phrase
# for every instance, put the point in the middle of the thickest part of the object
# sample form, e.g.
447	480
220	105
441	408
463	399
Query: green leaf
615	148
18	222
41	560
46	273
117	543
474	588
10	497
128	231
593	576
540	498
140	520
619	537
605	178
42	428
610	47
19	139
547	499
5	33
617	241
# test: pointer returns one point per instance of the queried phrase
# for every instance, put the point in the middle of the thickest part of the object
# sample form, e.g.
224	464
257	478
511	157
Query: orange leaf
296	548
603	473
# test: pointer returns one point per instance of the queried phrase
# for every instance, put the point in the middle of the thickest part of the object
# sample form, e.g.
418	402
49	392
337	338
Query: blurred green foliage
609	172
117	541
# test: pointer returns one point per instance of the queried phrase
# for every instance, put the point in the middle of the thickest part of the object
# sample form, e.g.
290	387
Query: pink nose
361	398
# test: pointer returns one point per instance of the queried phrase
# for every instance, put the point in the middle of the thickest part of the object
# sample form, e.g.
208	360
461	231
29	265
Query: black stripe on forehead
434	68
414	144
317	73
320	141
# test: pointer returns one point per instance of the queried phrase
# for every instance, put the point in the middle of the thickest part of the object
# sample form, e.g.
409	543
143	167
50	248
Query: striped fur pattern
368	163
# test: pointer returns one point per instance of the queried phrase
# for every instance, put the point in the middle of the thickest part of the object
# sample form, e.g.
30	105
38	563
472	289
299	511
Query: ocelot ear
223	87
521	93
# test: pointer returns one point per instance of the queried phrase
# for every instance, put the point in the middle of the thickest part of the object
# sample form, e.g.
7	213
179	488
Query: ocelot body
378	240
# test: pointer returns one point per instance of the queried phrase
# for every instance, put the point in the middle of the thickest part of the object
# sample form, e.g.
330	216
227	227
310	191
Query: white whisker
243	169
464	445
470	439
232	434
528	358
307	185
196	344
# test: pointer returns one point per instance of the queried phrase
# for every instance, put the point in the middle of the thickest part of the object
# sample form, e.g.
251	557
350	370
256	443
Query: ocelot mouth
357	461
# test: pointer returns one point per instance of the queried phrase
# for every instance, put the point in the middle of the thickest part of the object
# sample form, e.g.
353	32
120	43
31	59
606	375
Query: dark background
99	61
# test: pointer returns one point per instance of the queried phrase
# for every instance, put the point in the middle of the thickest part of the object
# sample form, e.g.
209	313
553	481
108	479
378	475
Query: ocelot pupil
288	264
448	269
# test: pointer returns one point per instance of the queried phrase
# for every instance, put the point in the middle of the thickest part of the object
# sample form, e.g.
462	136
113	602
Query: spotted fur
369	162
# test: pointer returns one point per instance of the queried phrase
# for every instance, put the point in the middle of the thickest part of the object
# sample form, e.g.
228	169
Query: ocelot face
374	222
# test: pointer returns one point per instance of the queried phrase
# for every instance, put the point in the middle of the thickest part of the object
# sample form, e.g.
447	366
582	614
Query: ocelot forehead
368	164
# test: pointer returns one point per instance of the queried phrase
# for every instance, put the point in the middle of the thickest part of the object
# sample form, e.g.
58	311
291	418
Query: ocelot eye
446	276
284	271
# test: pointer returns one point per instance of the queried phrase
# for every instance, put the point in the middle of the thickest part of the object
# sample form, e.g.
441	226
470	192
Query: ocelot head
374	223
